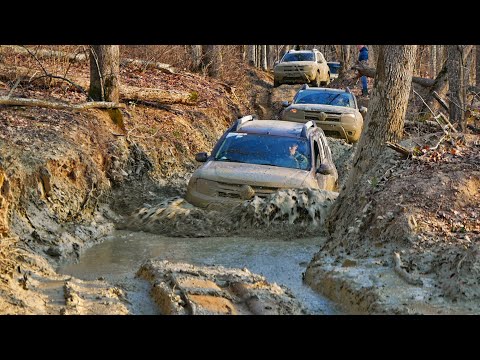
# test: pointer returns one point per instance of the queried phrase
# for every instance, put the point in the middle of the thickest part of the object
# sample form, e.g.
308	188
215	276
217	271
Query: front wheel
316	82
276	83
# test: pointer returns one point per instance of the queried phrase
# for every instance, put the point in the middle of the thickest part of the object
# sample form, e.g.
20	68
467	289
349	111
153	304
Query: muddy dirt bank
67	177
414	247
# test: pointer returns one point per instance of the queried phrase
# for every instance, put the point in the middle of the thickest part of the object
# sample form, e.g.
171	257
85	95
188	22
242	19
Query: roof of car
302	51
272	127
332	90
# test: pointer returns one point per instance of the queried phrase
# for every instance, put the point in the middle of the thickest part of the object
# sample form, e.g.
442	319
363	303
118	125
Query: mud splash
285	213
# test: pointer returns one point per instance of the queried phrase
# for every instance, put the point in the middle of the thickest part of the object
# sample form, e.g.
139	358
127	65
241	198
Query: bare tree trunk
271	55
243	52
213	57
440	56
263	57
344	56
456	84
196	53
433	59
251	55
472	66
384	122
477	66
376	50
440	86
104	72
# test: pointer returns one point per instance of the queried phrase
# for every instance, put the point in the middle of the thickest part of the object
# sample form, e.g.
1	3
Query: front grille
315	115
228	195
293	69
233	190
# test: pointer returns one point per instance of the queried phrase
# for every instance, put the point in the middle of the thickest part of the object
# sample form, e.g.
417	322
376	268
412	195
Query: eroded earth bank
68	179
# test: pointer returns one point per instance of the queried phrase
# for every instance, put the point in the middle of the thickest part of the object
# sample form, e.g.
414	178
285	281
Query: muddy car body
253	158
302	67
334	110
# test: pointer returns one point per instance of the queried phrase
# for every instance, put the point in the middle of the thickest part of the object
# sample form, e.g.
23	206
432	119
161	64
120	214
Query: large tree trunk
440	56
384	122
477	65
251	55
196	54
440	86
456	82
433	61
213	57
104	72
263	57
471	66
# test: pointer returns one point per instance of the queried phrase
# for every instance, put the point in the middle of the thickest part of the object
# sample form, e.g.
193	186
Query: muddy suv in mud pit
334	110
259	157
304	67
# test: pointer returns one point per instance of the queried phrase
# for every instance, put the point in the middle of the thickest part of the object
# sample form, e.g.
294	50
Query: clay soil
67	177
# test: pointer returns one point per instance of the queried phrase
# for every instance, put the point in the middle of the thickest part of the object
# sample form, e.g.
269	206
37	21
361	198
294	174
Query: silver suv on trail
302	66
257	158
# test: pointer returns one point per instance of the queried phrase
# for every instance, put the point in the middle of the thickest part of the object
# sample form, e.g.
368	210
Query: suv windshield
324	98
298	57
265	150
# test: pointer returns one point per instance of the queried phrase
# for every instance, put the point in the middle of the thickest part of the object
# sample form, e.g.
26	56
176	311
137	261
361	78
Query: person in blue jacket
363	59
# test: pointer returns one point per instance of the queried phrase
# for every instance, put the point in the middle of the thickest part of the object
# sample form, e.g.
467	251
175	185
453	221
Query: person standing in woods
363	59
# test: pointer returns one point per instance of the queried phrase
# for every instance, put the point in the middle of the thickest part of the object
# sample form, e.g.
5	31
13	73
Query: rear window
298	57
324	98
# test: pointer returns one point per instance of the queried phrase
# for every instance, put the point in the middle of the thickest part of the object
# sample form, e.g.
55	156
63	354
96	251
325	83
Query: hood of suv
252	174
324	108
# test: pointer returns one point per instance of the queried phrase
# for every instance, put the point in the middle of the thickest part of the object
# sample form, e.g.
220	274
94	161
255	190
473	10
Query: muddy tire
316	82
276	83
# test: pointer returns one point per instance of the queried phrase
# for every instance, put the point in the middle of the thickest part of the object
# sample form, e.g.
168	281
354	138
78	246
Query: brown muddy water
120	255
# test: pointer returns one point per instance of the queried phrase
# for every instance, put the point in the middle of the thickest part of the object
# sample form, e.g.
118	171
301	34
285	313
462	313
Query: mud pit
287	213
185	289
121	254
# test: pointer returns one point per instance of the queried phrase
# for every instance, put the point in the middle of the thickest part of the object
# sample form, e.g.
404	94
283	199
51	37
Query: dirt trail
66	177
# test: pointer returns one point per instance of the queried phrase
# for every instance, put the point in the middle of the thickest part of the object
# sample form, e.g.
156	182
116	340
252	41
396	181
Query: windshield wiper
230	160
330	102
268	164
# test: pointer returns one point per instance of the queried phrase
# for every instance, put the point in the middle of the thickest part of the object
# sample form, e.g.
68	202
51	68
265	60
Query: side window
316	152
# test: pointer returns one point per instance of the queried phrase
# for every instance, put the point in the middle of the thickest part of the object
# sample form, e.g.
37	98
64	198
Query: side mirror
326	169
363	111
201	157
285	103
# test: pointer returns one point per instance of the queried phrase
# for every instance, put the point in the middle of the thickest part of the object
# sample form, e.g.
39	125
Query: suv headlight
206	187
349	118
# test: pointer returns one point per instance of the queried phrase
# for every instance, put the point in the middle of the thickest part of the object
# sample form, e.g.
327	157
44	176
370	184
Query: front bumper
294	77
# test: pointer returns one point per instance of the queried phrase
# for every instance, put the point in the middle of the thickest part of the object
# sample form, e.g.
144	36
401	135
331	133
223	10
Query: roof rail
305	86
243	120
307	126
